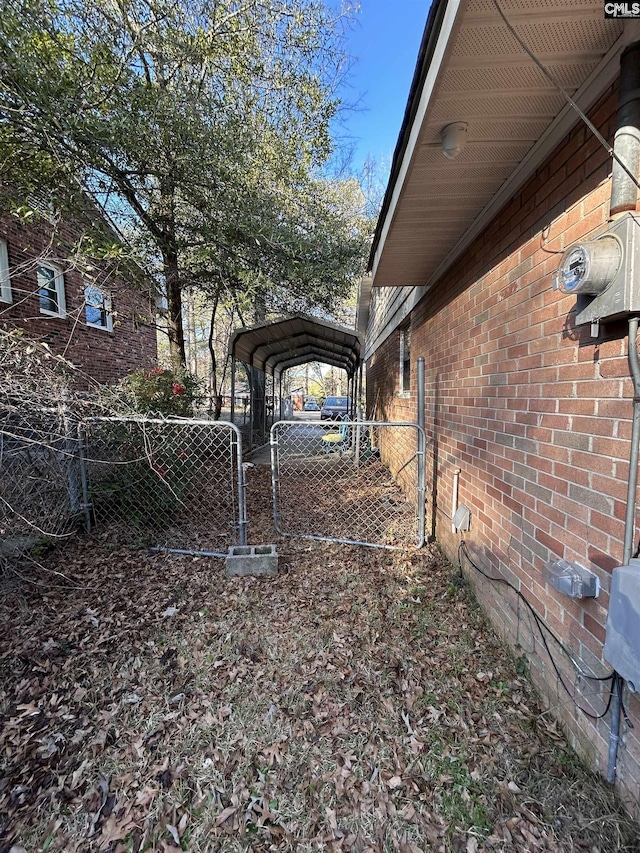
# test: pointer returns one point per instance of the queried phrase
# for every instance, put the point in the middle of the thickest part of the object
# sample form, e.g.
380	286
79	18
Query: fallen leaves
355	703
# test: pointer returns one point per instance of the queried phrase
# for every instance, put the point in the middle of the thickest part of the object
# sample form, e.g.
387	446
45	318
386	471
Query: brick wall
537	416
102	355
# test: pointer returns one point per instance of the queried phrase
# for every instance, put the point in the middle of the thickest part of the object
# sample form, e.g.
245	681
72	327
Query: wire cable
552	79
612	677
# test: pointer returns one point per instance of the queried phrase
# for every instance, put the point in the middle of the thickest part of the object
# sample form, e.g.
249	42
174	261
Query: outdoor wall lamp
453	138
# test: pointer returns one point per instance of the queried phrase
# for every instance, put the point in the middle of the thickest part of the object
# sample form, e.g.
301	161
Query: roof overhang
472	69
290	341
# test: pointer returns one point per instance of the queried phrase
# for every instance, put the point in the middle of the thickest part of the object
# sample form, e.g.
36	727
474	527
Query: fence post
422	451
236	438
273	441
86	506
70	458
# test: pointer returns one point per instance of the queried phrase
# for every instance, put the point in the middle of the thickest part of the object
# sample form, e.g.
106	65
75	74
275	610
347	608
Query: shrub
160	390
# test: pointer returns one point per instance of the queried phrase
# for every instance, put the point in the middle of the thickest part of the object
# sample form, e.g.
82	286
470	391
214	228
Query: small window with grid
97	308
51	290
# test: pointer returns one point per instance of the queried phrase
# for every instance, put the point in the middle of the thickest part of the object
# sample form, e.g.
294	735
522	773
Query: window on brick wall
5	281
97	308
51	290
405	360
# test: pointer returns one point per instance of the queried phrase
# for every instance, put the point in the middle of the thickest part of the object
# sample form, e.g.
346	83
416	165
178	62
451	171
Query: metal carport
287	342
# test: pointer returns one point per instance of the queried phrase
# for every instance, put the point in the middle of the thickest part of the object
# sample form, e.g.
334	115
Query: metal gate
358	483
179	483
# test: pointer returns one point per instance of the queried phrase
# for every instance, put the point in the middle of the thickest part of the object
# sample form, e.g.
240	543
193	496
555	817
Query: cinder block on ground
251	560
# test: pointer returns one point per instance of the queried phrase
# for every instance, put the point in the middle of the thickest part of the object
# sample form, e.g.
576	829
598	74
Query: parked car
311	406
335	408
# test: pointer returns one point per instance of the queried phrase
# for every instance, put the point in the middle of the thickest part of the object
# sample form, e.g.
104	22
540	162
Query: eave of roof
471	68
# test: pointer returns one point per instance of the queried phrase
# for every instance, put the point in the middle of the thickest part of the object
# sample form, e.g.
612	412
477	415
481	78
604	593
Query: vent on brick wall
42	203
462	518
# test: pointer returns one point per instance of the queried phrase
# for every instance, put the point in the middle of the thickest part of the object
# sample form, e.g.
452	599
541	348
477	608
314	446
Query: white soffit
515	115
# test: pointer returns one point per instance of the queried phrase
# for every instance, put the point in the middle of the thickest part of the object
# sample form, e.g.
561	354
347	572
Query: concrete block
251	560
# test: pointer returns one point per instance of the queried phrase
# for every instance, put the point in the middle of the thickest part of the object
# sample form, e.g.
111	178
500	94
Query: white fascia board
444	36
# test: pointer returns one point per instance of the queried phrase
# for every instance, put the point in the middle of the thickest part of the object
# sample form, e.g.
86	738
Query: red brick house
82	308
529	400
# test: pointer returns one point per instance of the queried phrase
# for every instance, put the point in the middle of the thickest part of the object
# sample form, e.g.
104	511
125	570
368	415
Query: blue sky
384	41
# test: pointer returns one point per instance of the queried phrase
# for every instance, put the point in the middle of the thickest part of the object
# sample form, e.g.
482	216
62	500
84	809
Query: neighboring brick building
79	307
527	415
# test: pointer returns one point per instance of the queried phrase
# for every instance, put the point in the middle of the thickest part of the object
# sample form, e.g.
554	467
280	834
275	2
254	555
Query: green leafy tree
200	128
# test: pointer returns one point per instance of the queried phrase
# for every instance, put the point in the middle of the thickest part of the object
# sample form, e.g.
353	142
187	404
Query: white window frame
105	306
58	281
5	277
405	333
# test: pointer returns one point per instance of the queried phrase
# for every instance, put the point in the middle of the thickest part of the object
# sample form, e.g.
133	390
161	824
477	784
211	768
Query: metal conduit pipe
454	497
624	196
629	531
624	192
422	449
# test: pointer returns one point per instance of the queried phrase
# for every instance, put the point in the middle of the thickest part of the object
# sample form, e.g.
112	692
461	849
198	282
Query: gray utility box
572	579
251	560
622	643
622	295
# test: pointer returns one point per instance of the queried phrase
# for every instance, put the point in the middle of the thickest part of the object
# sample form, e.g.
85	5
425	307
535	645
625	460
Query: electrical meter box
622	642
604	272
572	579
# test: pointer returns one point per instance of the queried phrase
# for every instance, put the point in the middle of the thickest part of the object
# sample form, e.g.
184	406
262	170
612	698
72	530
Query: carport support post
422	450
352	397
355	410
264	405
280	394
251	396
233	387
273	399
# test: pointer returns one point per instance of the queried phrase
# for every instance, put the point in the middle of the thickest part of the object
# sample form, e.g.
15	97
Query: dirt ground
357	702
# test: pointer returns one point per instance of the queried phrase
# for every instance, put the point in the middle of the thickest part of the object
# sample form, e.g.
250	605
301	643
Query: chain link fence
358	483
40	498
179	483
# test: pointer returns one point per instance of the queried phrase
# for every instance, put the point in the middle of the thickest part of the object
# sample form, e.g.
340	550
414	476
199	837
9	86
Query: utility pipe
454	496
422	448
630	518
626	145
624	196
629	533
421	393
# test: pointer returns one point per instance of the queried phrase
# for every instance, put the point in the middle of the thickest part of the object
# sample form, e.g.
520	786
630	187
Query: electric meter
589	267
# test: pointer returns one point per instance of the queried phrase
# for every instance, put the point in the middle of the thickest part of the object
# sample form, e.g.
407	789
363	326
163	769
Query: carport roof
290	341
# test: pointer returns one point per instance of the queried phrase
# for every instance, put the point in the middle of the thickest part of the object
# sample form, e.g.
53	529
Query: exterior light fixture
453	138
